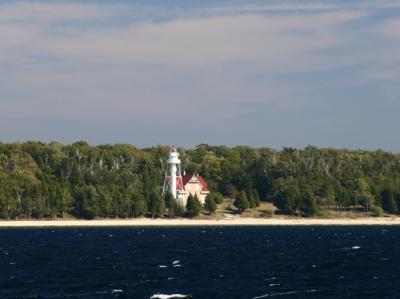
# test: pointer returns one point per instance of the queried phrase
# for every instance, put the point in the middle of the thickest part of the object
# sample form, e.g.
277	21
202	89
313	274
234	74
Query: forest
52	180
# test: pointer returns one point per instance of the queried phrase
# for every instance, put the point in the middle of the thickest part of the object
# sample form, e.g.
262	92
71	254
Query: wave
283	293
172	296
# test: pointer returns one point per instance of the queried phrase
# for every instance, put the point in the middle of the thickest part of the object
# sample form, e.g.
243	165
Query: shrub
210	205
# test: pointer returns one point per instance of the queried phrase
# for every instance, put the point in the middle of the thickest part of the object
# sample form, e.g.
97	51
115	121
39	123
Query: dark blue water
230	262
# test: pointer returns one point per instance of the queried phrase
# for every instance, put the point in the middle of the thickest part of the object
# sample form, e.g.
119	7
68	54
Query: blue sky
258	73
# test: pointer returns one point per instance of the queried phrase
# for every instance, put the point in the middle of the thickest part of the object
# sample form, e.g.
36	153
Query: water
212	262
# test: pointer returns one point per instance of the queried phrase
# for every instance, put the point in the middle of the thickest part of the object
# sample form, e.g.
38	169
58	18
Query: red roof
203	183
186	178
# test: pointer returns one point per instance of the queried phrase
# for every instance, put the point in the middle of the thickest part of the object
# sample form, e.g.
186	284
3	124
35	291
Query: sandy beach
145	222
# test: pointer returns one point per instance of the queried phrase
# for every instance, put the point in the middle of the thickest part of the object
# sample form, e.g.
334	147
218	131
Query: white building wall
193	187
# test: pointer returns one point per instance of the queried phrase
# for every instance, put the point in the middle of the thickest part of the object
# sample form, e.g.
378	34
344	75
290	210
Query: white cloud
185	42
390	28
45	12
126	63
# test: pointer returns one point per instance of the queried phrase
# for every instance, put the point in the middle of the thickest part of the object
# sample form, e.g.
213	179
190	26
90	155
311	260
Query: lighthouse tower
174	177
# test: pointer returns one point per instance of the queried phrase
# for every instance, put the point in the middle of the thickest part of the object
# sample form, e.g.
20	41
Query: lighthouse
175	169
181	186
173	179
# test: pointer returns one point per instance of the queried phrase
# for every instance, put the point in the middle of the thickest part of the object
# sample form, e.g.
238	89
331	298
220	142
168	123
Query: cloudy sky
147	72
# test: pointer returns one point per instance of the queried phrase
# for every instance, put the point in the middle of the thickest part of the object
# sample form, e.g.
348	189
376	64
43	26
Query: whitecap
117	291
270	278
355	247
165	296
177	265
162	266
176	262
311	291
276	294
385	259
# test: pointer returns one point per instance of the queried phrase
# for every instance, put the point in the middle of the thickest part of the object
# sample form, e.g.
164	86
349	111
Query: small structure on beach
181	186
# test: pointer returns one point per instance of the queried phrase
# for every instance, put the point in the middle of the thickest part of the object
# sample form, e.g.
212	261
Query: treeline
54	180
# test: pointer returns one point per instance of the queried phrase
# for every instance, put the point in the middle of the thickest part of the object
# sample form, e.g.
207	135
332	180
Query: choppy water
229	262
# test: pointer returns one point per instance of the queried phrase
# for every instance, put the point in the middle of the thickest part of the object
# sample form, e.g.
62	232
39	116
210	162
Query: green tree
174	209
362	194
179	210
308	205
287	198
139	205
398	199
388	200
250	198
39	180
256	198
156	204
193	206
210	205
241	202
105	202
217	197
85	205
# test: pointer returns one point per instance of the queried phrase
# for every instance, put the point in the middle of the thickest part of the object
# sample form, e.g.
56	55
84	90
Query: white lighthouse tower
174	177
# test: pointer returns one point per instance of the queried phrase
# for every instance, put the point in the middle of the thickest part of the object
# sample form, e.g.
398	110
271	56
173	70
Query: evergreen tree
291	199
139	205
308	204
64	206
193	206
256	198
362	194
388	200
210	205
39	180
250	198
217	197
179	210
174	209
93	196
241	202
287	198
398	199
156	204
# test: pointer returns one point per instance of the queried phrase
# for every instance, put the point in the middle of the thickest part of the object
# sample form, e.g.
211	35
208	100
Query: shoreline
147	222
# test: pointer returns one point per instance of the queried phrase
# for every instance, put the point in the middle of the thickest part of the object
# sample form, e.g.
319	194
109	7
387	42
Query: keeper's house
190	184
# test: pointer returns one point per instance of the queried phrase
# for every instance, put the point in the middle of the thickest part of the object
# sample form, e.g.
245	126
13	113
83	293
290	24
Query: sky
185	72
